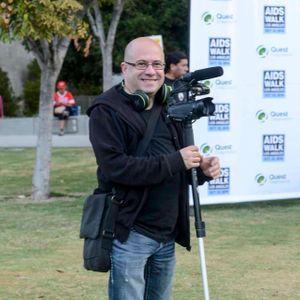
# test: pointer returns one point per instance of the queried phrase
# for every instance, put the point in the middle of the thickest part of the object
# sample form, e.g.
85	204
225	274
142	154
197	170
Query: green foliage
9	101
31	89
139	18
40	19
143	18
83	74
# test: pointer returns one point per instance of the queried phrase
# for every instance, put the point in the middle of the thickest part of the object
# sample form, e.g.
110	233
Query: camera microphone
203	74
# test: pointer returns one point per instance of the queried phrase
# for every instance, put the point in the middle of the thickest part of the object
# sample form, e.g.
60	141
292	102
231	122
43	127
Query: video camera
182	103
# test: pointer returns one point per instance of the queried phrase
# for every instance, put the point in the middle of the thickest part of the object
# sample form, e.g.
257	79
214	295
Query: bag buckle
108	234
116	200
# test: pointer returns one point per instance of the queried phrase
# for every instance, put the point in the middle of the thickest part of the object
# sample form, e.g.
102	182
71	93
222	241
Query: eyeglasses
143	65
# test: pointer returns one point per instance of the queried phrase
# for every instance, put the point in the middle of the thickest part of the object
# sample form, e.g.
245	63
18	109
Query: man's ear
172	67
123	67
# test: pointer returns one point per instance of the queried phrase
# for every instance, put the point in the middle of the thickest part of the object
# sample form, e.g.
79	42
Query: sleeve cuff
175	163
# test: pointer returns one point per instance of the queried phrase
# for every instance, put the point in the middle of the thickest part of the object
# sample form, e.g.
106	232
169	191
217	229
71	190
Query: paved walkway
68	140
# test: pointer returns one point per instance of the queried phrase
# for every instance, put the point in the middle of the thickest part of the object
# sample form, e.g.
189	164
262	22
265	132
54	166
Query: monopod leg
203	268
200	232
199	224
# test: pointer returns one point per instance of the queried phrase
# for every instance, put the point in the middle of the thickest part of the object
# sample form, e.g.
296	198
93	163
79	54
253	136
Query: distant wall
29	126
14	60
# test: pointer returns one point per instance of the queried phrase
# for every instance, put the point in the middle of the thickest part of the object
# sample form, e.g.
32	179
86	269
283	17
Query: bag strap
144	142
108	233
109	227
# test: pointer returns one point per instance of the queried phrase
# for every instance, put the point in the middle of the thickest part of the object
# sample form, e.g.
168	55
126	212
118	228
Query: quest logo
262	51
207	18
263	116
205	149
219	83
260	179
208	83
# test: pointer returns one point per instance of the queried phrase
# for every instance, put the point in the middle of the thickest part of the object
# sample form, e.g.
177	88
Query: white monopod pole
199	224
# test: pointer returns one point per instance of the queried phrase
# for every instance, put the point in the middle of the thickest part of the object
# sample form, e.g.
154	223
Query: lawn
252	250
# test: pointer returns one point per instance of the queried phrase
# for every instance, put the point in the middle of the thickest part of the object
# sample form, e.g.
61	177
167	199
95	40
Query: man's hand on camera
211	166
191	157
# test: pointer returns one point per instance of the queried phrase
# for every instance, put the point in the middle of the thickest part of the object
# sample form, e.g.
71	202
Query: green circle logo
260	179
261	116
205	149
207	18
262	51
208	83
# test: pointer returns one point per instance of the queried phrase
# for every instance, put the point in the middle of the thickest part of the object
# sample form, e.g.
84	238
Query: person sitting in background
63	101
176	66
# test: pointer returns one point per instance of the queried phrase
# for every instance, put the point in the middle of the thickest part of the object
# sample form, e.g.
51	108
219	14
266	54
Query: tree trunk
41	177
106	42
107	68
50	57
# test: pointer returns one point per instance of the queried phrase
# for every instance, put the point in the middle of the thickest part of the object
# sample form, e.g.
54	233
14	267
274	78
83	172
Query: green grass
252	250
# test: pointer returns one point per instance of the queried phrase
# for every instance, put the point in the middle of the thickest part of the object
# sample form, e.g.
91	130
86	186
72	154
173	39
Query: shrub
31	89
10	105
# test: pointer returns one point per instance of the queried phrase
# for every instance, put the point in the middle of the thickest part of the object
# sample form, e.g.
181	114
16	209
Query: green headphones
140	100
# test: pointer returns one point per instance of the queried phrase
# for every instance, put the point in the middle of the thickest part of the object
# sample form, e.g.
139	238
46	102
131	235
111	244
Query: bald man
153	186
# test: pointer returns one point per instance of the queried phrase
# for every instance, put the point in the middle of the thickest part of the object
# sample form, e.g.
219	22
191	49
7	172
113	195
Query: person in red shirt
63	101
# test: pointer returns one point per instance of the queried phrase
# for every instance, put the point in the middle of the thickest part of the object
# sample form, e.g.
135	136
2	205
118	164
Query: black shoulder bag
100	213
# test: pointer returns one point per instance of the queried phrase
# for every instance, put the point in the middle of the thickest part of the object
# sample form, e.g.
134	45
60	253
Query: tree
46	28
139	18
106	41
166	17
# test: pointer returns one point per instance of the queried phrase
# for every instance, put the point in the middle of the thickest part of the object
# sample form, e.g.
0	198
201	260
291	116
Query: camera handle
199	224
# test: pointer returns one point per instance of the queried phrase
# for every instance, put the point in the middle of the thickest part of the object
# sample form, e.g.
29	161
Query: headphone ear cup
140	100
163	94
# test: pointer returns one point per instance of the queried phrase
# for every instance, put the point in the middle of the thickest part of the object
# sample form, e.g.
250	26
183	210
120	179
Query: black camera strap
109	227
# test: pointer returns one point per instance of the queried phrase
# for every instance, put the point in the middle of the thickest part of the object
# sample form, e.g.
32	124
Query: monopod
199	224
183	107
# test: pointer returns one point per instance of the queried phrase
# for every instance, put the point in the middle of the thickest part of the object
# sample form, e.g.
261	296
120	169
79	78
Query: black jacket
115	130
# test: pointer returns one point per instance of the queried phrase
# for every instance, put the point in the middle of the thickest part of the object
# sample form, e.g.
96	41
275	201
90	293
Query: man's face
149	80
180	68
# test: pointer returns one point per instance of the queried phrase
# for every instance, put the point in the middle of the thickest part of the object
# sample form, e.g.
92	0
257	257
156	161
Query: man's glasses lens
143	65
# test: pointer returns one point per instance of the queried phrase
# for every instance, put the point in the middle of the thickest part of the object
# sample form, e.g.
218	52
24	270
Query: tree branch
45	49
97	23
33	46
117	11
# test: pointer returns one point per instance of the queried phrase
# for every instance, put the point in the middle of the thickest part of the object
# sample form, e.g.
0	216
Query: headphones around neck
140	100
